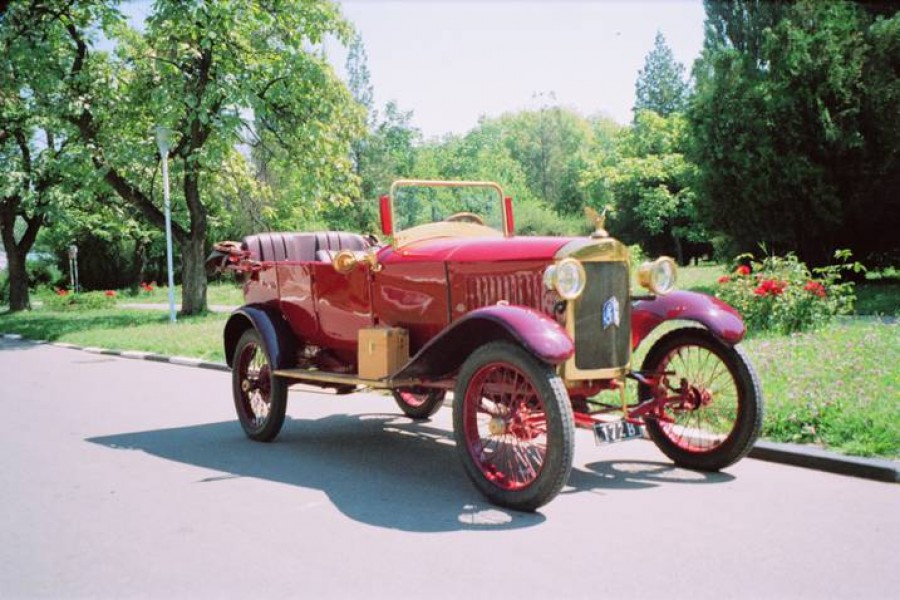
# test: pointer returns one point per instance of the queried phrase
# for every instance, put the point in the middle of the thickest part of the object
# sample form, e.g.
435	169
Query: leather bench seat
302	246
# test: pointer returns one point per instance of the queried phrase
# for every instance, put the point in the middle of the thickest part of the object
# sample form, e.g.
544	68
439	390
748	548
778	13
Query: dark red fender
719	318
538	333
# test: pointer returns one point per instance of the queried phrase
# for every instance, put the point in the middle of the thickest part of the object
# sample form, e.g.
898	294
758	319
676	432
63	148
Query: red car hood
483	249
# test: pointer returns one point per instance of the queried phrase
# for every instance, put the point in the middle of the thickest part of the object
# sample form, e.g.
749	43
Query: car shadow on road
638	474
383	470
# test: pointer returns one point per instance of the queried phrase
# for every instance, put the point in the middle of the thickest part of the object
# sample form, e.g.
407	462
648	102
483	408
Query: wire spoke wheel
715	412
260	398
513	427
505	426
419	403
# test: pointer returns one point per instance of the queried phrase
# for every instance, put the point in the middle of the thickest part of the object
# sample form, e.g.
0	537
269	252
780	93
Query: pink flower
724	279
742	270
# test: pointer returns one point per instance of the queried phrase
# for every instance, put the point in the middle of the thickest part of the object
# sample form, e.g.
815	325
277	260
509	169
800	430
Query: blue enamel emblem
610	312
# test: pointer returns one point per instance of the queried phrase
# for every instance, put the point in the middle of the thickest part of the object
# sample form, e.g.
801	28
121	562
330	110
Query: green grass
878	298
836	387
700	279
120	329
218	292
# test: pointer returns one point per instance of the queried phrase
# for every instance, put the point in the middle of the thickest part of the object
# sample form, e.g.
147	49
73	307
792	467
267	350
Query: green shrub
533	218
44	272
4	287
66	300
781	294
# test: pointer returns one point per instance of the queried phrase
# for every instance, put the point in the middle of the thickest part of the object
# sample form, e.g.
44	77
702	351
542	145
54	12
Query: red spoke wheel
513	425
260	398
419	403
717	415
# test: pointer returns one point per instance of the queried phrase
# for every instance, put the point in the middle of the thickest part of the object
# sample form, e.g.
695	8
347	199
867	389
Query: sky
452	62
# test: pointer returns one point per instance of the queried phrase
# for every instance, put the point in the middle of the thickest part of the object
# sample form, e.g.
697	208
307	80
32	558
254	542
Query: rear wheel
513	426
419	403
719	416
260	398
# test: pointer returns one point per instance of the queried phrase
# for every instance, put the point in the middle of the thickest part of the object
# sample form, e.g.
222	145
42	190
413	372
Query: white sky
451	62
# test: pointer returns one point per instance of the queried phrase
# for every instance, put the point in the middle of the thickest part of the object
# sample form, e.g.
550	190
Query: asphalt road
124	478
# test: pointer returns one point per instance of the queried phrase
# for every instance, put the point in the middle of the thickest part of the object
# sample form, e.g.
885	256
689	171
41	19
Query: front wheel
513	426
419	403
260	398
715	410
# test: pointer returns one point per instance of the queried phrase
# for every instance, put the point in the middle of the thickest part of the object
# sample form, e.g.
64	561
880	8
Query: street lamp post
164	141
73	267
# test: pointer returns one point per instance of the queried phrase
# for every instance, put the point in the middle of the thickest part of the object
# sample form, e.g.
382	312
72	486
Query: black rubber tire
747	421
250	347
423	404
556	464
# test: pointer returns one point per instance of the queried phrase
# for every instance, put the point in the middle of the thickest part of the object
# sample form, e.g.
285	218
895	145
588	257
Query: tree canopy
661	85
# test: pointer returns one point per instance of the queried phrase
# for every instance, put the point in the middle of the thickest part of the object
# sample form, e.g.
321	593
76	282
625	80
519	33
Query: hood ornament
598	220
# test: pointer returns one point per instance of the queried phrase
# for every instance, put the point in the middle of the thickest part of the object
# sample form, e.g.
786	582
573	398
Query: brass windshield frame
447	229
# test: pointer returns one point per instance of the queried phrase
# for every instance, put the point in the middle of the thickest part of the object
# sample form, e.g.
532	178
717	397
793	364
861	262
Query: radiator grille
521	289
596	346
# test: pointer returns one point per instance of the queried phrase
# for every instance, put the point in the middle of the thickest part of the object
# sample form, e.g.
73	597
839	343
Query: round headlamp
567	277
658	276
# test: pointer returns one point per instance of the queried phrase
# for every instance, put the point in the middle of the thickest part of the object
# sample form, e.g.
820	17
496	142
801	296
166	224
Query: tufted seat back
301	246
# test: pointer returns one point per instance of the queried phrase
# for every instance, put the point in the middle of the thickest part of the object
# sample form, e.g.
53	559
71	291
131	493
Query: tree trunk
18	280
17	251
193	275
679	250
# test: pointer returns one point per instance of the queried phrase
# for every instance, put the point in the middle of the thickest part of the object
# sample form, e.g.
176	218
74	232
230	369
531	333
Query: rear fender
276	334
536	332
719	318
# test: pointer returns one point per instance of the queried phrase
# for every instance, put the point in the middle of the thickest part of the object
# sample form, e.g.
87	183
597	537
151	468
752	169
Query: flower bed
780	293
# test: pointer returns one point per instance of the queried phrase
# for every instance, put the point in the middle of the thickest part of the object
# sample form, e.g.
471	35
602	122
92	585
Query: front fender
535	331
276	334
719	318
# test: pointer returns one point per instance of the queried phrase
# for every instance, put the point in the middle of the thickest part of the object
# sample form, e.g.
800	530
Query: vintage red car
532	335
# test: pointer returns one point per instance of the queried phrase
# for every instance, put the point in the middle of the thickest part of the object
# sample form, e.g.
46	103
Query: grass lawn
836	387
121	329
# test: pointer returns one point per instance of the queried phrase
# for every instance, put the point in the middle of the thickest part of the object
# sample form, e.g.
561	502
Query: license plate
616	431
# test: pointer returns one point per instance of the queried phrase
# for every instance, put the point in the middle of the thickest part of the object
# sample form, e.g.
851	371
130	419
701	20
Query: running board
344	378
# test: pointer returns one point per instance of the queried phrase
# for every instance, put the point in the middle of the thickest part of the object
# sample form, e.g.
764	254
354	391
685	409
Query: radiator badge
610	313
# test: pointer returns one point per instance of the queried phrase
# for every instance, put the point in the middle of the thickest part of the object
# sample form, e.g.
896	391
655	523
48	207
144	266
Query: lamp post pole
163	140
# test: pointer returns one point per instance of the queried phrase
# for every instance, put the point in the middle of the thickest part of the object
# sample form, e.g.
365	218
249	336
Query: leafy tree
42	167
660	85
648	183
551	145
212	72
791	136
873	215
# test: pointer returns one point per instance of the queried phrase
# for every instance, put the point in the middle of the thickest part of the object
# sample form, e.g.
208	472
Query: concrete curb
132	354
810	457
797	455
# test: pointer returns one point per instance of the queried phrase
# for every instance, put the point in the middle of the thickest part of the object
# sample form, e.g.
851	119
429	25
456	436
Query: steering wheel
465	217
